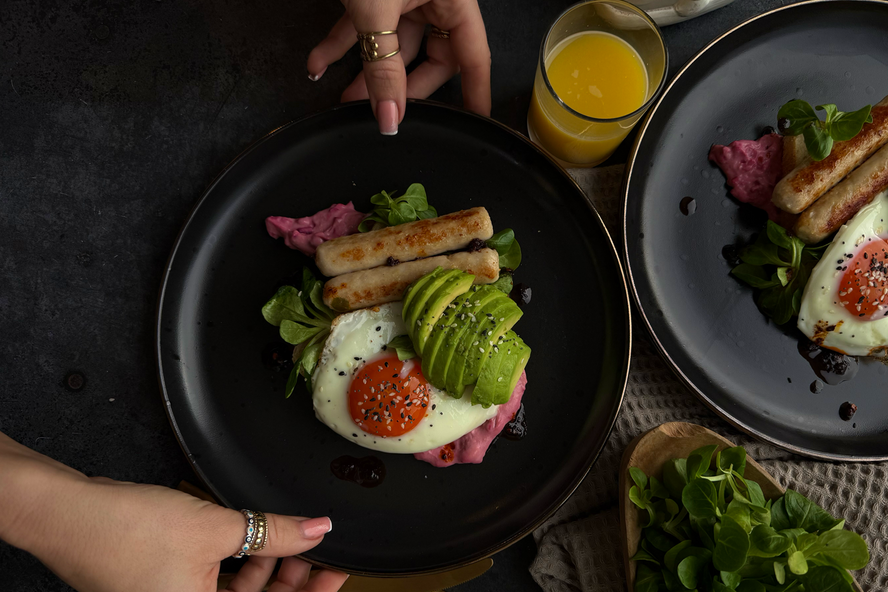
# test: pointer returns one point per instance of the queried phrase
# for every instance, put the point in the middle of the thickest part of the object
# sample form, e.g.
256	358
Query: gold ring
369	46
439	33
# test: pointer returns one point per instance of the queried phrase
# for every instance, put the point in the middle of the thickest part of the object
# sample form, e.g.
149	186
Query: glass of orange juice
601	66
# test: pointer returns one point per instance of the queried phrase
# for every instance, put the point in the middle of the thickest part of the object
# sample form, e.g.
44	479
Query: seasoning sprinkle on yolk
863	290
388	397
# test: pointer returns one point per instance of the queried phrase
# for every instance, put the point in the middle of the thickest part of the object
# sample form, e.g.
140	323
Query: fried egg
364	393
845	303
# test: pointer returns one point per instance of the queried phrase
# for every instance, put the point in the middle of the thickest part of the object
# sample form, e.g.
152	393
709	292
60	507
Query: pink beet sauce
305	234
471	448
752	168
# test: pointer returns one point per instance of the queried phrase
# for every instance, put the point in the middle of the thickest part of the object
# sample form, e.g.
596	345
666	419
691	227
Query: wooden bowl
649	452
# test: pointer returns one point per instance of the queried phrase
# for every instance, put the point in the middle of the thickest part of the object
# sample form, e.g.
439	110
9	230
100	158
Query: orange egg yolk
863	290
388	397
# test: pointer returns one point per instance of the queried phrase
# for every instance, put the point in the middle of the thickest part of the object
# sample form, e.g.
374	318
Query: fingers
253	575
386	79
357	90
290	536
340	39
326	581
410	36
440	67
292	575
469	42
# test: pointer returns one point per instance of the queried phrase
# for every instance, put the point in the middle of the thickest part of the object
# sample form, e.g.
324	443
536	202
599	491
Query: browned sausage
811	179
794	153
840	203
404	242
379	285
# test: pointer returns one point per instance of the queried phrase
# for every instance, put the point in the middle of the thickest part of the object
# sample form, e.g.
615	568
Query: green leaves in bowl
778	265
304	321
389	210
798	117
710	529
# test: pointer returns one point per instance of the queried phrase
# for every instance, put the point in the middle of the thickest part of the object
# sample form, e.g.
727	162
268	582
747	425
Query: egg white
822	317
363	334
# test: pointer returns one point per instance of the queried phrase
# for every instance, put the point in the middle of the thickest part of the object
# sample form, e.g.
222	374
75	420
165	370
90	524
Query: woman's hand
385	82
101	535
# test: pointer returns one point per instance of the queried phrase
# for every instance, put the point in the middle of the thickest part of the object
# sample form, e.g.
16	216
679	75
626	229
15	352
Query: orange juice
598	75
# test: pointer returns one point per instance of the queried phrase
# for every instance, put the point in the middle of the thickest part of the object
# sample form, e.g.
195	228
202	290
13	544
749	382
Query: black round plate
255	449
703	320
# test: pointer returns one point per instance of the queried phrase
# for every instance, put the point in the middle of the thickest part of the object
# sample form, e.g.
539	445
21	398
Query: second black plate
703	320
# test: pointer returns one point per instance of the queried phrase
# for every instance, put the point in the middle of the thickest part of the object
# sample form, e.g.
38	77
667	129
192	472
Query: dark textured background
114	117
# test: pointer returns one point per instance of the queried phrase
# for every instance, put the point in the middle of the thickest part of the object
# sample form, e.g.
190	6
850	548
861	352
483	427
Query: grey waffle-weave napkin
579	548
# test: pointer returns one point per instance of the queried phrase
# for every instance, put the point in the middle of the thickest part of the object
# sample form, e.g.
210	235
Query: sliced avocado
452	336
472	347
437	303
417	286
498	320
512	381
432	346
500	374
484	392
416	309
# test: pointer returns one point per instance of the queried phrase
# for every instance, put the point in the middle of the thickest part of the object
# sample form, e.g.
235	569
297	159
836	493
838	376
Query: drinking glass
573	138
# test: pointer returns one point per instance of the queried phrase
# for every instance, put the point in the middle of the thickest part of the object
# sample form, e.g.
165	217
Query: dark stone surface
114	118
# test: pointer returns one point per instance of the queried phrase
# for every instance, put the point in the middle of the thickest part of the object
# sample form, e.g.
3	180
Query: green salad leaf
778	265
403	346
507	248
304	321
797	117
504	283
391	211
708	528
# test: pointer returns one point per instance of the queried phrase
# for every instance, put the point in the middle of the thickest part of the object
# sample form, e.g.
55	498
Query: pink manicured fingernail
387	115
316	77
316	527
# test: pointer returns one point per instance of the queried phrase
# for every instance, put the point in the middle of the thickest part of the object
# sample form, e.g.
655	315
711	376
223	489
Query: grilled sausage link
379	285
811	179
794	153
840	203
404	242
